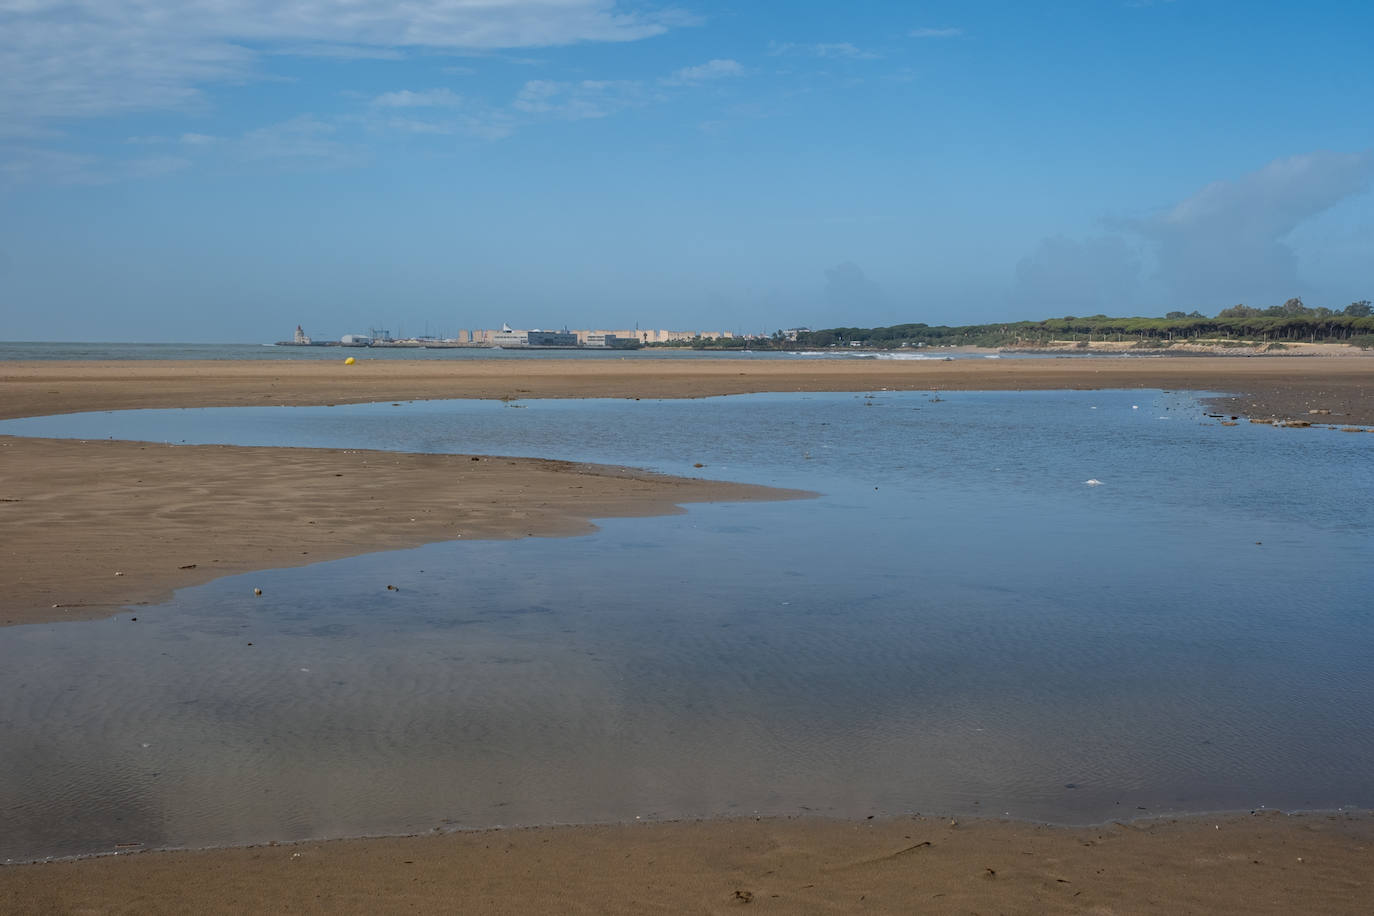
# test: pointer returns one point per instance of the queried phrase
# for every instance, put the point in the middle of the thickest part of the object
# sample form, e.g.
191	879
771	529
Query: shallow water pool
958	624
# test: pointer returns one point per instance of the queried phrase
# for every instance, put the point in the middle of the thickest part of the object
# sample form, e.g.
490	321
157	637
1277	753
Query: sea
101	352
1061	606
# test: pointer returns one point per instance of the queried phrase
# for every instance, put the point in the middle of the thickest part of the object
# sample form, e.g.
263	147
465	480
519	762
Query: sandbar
1285	387
88	527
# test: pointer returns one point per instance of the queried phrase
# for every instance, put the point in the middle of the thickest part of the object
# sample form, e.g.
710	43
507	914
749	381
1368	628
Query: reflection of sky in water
958	624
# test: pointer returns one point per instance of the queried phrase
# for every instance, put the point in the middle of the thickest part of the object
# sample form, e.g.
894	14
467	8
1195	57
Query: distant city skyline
224	172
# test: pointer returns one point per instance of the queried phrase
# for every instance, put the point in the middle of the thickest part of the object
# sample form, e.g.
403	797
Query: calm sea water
144	351
957	624
26	350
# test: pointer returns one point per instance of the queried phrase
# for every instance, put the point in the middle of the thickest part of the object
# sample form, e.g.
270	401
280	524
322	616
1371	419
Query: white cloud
840	49
429	111
427	98
80	66
82	58
566	100
936	33
711	70
198	139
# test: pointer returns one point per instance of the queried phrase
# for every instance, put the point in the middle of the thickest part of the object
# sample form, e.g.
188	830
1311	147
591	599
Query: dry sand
76	513
1267	863
90	526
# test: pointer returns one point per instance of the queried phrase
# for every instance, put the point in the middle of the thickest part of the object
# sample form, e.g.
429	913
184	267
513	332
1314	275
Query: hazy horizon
223	172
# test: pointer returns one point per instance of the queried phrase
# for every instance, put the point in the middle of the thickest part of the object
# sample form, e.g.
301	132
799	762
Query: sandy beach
1261	387
1261	863
88	527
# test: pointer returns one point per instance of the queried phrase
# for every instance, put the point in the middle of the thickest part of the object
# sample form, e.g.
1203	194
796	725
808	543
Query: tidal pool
958	624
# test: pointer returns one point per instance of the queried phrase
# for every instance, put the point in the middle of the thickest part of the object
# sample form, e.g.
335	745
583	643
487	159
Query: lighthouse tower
301	340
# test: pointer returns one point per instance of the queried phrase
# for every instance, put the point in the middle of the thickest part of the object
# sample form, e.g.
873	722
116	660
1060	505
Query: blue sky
225	169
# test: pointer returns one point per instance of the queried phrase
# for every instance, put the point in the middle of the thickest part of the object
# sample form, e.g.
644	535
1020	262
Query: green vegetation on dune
1293	321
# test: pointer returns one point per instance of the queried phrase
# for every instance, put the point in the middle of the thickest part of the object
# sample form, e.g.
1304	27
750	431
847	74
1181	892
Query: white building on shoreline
516	338
506	336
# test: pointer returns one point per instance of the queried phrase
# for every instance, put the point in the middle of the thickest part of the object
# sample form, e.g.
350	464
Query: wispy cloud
840	49
84	58
442	112
935	33
711	70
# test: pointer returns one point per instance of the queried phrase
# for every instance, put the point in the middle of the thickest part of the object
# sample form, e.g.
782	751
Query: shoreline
965	819
1257	862
1268	387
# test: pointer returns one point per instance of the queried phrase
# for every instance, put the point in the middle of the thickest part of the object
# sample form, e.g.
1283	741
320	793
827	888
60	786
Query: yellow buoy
350	361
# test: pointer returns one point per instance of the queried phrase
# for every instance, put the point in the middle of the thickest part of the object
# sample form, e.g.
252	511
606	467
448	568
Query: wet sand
1265	863
1266	386
90	526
